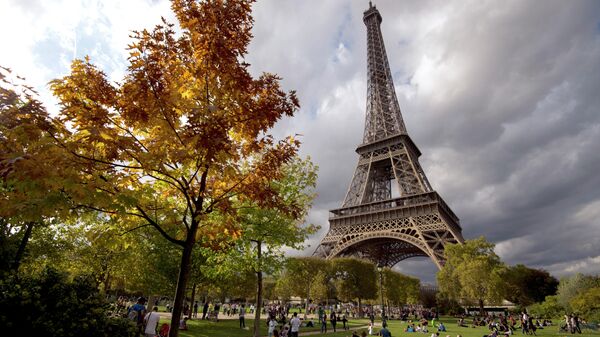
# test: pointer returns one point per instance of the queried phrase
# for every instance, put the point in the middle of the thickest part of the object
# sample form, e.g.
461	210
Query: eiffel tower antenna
371	223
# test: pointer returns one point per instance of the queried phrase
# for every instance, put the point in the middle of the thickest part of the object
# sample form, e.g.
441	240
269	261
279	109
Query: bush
50	305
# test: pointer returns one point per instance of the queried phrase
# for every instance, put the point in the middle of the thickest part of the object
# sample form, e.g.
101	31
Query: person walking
242	317
295	325
333	319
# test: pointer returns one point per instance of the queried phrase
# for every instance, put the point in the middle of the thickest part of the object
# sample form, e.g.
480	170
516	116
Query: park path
330	331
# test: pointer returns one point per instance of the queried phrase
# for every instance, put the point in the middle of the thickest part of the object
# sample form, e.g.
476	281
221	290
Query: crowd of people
281	322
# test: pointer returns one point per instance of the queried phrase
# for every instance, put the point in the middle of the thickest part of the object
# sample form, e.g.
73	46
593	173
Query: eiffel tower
371	223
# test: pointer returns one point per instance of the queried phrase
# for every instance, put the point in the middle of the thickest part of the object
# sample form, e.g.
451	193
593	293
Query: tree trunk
360	314
193	299
259	286
184	274
481	311
307	299
22	245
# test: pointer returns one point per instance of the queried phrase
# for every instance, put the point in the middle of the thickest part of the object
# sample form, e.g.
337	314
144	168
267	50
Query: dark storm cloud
501	97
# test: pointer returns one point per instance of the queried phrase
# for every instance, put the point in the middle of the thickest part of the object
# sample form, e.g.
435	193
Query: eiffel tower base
387	232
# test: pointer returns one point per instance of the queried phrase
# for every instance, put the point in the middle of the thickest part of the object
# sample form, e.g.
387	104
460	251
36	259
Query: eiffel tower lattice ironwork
371	223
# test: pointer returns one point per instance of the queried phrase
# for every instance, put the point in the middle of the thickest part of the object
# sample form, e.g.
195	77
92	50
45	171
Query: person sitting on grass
183	323
441	327
493	334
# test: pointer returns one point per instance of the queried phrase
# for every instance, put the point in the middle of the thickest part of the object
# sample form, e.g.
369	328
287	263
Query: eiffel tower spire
372	223
383	118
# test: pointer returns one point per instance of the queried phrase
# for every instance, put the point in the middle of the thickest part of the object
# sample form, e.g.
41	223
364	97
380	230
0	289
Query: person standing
333	319
242	317
384	332
295	325
151	321
204	309
324	323
272	323
195	315
137	312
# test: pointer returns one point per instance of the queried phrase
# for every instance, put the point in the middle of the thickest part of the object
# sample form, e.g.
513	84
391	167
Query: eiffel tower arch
371	223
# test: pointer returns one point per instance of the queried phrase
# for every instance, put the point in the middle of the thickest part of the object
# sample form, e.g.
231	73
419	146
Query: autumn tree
184	137
472	272
32	188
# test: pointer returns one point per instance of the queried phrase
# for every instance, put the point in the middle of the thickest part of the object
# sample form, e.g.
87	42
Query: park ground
229	327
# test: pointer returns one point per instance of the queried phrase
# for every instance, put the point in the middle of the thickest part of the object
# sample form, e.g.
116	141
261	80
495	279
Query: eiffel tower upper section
384	127
383	117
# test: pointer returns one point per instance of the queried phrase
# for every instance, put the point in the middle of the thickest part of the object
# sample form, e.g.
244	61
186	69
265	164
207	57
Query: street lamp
380	270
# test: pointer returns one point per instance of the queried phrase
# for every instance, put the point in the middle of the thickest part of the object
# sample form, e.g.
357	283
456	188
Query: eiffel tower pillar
371	223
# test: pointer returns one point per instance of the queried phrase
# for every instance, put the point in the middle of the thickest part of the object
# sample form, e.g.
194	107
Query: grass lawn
230	328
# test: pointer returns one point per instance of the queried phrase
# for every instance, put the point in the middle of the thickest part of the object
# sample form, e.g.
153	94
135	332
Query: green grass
397	329
230	328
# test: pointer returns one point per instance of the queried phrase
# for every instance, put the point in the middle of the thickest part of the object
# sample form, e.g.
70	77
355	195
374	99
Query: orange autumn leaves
186	133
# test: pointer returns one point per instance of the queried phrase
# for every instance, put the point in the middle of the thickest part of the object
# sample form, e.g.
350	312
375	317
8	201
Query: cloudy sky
502	98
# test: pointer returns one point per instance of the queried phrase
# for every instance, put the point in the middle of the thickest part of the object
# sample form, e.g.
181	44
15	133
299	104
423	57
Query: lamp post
380	270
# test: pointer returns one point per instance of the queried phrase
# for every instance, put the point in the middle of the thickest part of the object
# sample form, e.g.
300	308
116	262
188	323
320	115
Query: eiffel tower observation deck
371	223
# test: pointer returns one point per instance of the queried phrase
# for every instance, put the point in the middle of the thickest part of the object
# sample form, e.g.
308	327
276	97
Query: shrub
51	305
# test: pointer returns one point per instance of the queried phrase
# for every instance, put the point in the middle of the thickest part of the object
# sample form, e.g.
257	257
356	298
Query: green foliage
48	304
550	308
587	304
571	287
355	279
400	289
525	286
301	274
472	273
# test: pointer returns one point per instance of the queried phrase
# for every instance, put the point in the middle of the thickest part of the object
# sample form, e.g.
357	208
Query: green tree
183	136
571	287
355	279
587	303
301	274
265	231
547	309
472	272
526	286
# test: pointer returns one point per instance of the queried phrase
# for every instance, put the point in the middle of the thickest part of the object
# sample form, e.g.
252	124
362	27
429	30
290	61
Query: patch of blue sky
341	37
